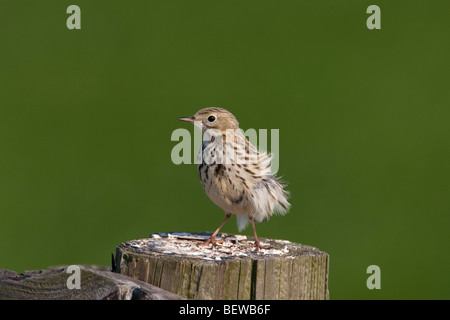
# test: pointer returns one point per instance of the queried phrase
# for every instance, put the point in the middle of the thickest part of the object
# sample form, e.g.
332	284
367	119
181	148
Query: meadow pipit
234	175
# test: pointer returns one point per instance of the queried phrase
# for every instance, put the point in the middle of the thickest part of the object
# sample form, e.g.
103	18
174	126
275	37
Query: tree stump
231	269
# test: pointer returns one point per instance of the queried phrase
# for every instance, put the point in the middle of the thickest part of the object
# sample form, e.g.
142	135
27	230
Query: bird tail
242	221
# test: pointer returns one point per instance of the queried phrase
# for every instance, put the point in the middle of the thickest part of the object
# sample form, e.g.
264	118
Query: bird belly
222	201
223	189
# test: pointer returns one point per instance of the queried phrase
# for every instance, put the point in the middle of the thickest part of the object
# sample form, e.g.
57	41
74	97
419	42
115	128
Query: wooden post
96	283
232	269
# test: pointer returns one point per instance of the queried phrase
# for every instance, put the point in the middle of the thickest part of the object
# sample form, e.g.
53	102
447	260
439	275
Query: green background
86	118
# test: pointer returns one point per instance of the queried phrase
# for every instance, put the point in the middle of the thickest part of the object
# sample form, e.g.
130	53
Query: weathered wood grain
233	269
96	284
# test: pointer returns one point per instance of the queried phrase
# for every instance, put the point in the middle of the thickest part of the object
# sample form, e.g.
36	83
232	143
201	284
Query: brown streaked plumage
234	175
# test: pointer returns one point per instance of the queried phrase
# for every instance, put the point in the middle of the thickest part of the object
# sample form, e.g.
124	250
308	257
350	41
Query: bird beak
187	119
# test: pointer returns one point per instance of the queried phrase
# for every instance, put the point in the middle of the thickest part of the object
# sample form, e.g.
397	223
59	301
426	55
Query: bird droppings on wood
227	246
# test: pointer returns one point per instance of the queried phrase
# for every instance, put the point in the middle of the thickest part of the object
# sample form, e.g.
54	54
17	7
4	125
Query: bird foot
211	240
255	245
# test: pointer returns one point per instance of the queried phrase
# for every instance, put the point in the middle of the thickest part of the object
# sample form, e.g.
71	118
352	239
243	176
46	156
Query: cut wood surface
232	269
96	283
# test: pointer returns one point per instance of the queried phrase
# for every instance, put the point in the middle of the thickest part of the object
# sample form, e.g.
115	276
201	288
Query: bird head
213	118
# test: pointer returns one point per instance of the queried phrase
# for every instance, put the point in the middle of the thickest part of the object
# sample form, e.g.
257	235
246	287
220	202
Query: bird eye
211	118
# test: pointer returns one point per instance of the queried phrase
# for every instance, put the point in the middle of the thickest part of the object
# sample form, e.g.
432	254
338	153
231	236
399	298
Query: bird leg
212	239
257	245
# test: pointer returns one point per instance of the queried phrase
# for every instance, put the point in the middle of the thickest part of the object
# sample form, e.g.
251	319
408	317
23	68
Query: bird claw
211	240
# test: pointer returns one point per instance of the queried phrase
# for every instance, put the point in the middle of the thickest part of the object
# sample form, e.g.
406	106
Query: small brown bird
234	175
